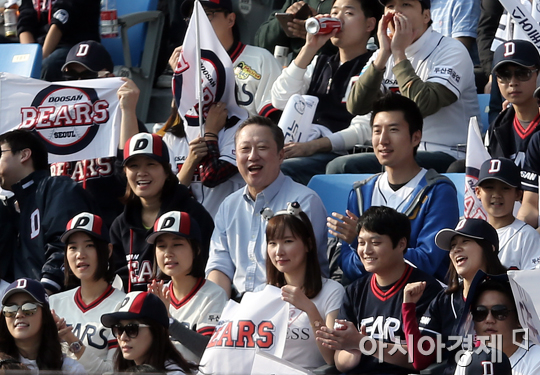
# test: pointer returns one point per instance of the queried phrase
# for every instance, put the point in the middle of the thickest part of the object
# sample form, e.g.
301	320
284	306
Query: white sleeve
335	297
270	72
530	251
293	80
359	132
95	365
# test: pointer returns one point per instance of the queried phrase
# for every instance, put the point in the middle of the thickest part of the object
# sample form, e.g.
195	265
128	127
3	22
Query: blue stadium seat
21	59
483	103
137	48
334	189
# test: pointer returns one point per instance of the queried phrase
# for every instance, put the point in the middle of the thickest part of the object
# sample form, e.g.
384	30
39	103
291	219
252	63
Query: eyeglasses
70	75
499	312
521	74
209	13
28	309
131	329
2	151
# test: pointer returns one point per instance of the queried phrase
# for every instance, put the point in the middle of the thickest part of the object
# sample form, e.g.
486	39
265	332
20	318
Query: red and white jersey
199	311
255	71
86	321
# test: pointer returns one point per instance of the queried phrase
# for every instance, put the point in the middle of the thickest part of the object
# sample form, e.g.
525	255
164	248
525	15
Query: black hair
302	229
386	221
279	138
492	265
105	266
162	350
21	139
396	102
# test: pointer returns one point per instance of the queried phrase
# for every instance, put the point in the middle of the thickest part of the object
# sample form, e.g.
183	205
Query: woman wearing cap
88	266
194	303
152	190
293	266
473	246
494	312
28	331
141	326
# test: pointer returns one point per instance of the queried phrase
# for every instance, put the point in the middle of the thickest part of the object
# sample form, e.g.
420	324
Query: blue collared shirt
238	246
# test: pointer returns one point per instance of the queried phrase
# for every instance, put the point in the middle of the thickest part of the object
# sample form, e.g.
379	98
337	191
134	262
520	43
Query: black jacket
128	236
329	83
46	205
77	19
501	137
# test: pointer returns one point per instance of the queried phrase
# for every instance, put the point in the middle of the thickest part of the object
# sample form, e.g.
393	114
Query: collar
236	50
421	43
31	180
269	193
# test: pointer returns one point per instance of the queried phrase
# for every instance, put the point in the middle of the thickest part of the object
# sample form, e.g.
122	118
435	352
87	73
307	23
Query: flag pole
199	62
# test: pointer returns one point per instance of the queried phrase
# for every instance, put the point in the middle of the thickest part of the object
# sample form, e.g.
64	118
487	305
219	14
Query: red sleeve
412	335
214	171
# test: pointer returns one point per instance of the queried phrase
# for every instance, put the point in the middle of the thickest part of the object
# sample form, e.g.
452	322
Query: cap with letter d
177	223
146	144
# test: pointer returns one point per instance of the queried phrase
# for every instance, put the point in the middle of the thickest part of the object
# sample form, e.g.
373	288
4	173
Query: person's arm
528	212
490	14
358	132
365	91
465	22
197	151
51	40
467	41
26	37
292	80
429	96
128	95
192	340
440	210
219	278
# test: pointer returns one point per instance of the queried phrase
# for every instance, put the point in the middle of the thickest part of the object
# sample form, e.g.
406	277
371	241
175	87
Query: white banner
525	289
76	119
524	20
218	82
297	118
476	155
259	323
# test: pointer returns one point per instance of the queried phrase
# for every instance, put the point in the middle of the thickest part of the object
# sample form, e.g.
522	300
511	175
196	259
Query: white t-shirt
526	362
383	195
300	346
70	366
519	246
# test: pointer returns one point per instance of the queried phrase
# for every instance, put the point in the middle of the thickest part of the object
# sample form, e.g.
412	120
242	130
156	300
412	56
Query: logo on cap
495	166
509	49
461	224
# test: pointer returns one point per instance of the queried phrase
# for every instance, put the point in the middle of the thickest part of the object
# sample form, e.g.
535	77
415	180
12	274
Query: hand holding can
323	25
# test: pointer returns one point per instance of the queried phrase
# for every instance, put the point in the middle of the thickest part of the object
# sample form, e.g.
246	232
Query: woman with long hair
194	303
152	190
141	327
472	246
28	330
89	272
293	266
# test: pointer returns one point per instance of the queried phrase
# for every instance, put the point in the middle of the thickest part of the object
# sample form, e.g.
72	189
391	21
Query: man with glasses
90	60
515	64
45	205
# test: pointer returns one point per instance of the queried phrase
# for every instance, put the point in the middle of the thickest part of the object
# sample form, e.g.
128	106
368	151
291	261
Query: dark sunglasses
131	329
28	309
499	312
70	75
521	74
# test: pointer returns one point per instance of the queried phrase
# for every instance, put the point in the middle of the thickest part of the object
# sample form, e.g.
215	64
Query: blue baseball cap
29	286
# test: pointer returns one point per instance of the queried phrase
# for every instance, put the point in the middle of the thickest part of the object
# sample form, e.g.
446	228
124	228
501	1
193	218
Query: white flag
77	119
527	22
217	75
476	155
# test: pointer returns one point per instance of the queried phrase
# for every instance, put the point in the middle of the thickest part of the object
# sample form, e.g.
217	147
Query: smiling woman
152	190
28	331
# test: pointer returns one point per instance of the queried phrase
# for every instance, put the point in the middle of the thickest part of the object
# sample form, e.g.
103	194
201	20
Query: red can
323	25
